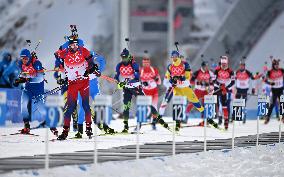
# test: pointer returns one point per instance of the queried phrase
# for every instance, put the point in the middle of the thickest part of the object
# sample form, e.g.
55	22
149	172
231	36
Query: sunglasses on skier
24	58
174	56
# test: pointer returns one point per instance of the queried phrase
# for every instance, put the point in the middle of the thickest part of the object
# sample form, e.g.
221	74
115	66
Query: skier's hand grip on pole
20	80
61	81
121	85
93	70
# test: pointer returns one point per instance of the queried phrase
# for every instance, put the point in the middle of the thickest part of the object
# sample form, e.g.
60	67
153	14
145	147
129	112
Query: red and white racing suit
75	65
150	79
203	84
223	84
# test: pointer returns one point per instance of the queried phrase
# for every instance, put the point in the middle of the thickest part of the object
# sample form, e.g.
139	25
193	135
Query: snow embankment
267	161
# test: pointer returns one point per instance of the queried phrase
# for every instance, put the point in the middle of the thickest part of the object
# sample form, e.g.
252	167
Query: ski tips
176	43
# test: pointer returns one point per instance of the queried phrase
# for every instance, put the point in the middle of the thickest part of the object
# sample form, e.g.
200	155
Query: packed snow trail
111	148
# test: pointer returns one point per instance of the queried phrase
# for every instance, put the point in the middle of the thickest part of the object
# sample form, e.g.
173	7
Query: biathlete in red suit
222	85
150	79
242	77
274	78
78	64
202	79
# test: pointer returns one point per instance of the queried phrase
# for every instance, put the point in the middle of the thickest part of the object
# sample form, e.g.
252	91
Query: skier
128	78
222	85
78	64
202	80
94	90
32	76
150	79
242	77
274	78
6	61
178	74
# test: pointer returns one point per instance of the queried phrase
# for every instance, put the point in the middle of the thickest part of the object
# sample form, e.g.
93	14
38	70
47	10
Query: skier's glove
20	80
272	83
223	89
61	81
174	80
94	69
145	84
121	85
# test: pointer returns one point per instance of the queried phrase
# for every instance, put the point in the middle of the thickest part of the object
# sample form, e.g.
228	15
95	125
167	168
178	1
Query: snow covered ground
23	145
267	161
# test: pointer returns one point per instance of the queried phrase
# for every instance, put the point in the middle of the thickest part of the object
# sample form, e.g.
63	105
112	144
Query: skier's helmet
146	59
73	42
242	64
204	65
26	56
275	63
125	55
175	54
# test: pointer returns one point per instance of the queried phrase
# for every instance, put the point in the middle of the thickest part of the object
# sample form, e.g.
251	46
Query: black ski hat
124	53
73	39
275	62
204	63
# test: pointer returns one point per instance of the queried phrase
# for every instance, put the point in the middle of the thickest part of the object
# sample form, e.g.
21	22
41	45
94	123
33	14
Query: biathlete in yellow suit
178	74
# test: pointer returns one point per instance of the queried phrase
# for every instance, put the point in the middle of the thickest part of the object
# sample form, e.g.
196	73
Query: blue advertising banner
13	105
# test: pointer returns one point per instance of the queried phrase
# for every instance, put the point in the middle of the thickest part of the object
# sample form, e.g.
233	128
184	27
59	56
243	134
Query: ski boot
226	123
244	120
220	120
135	129
26	129
89	130
201	124
64	134
153	124
80	131
162	122
126	127
108	130
178	125
266	120
54	130
75	126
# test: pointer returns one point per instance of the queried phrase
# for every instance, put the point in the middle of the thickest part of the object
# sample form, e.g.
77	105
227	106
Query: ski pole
127	43
176	44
